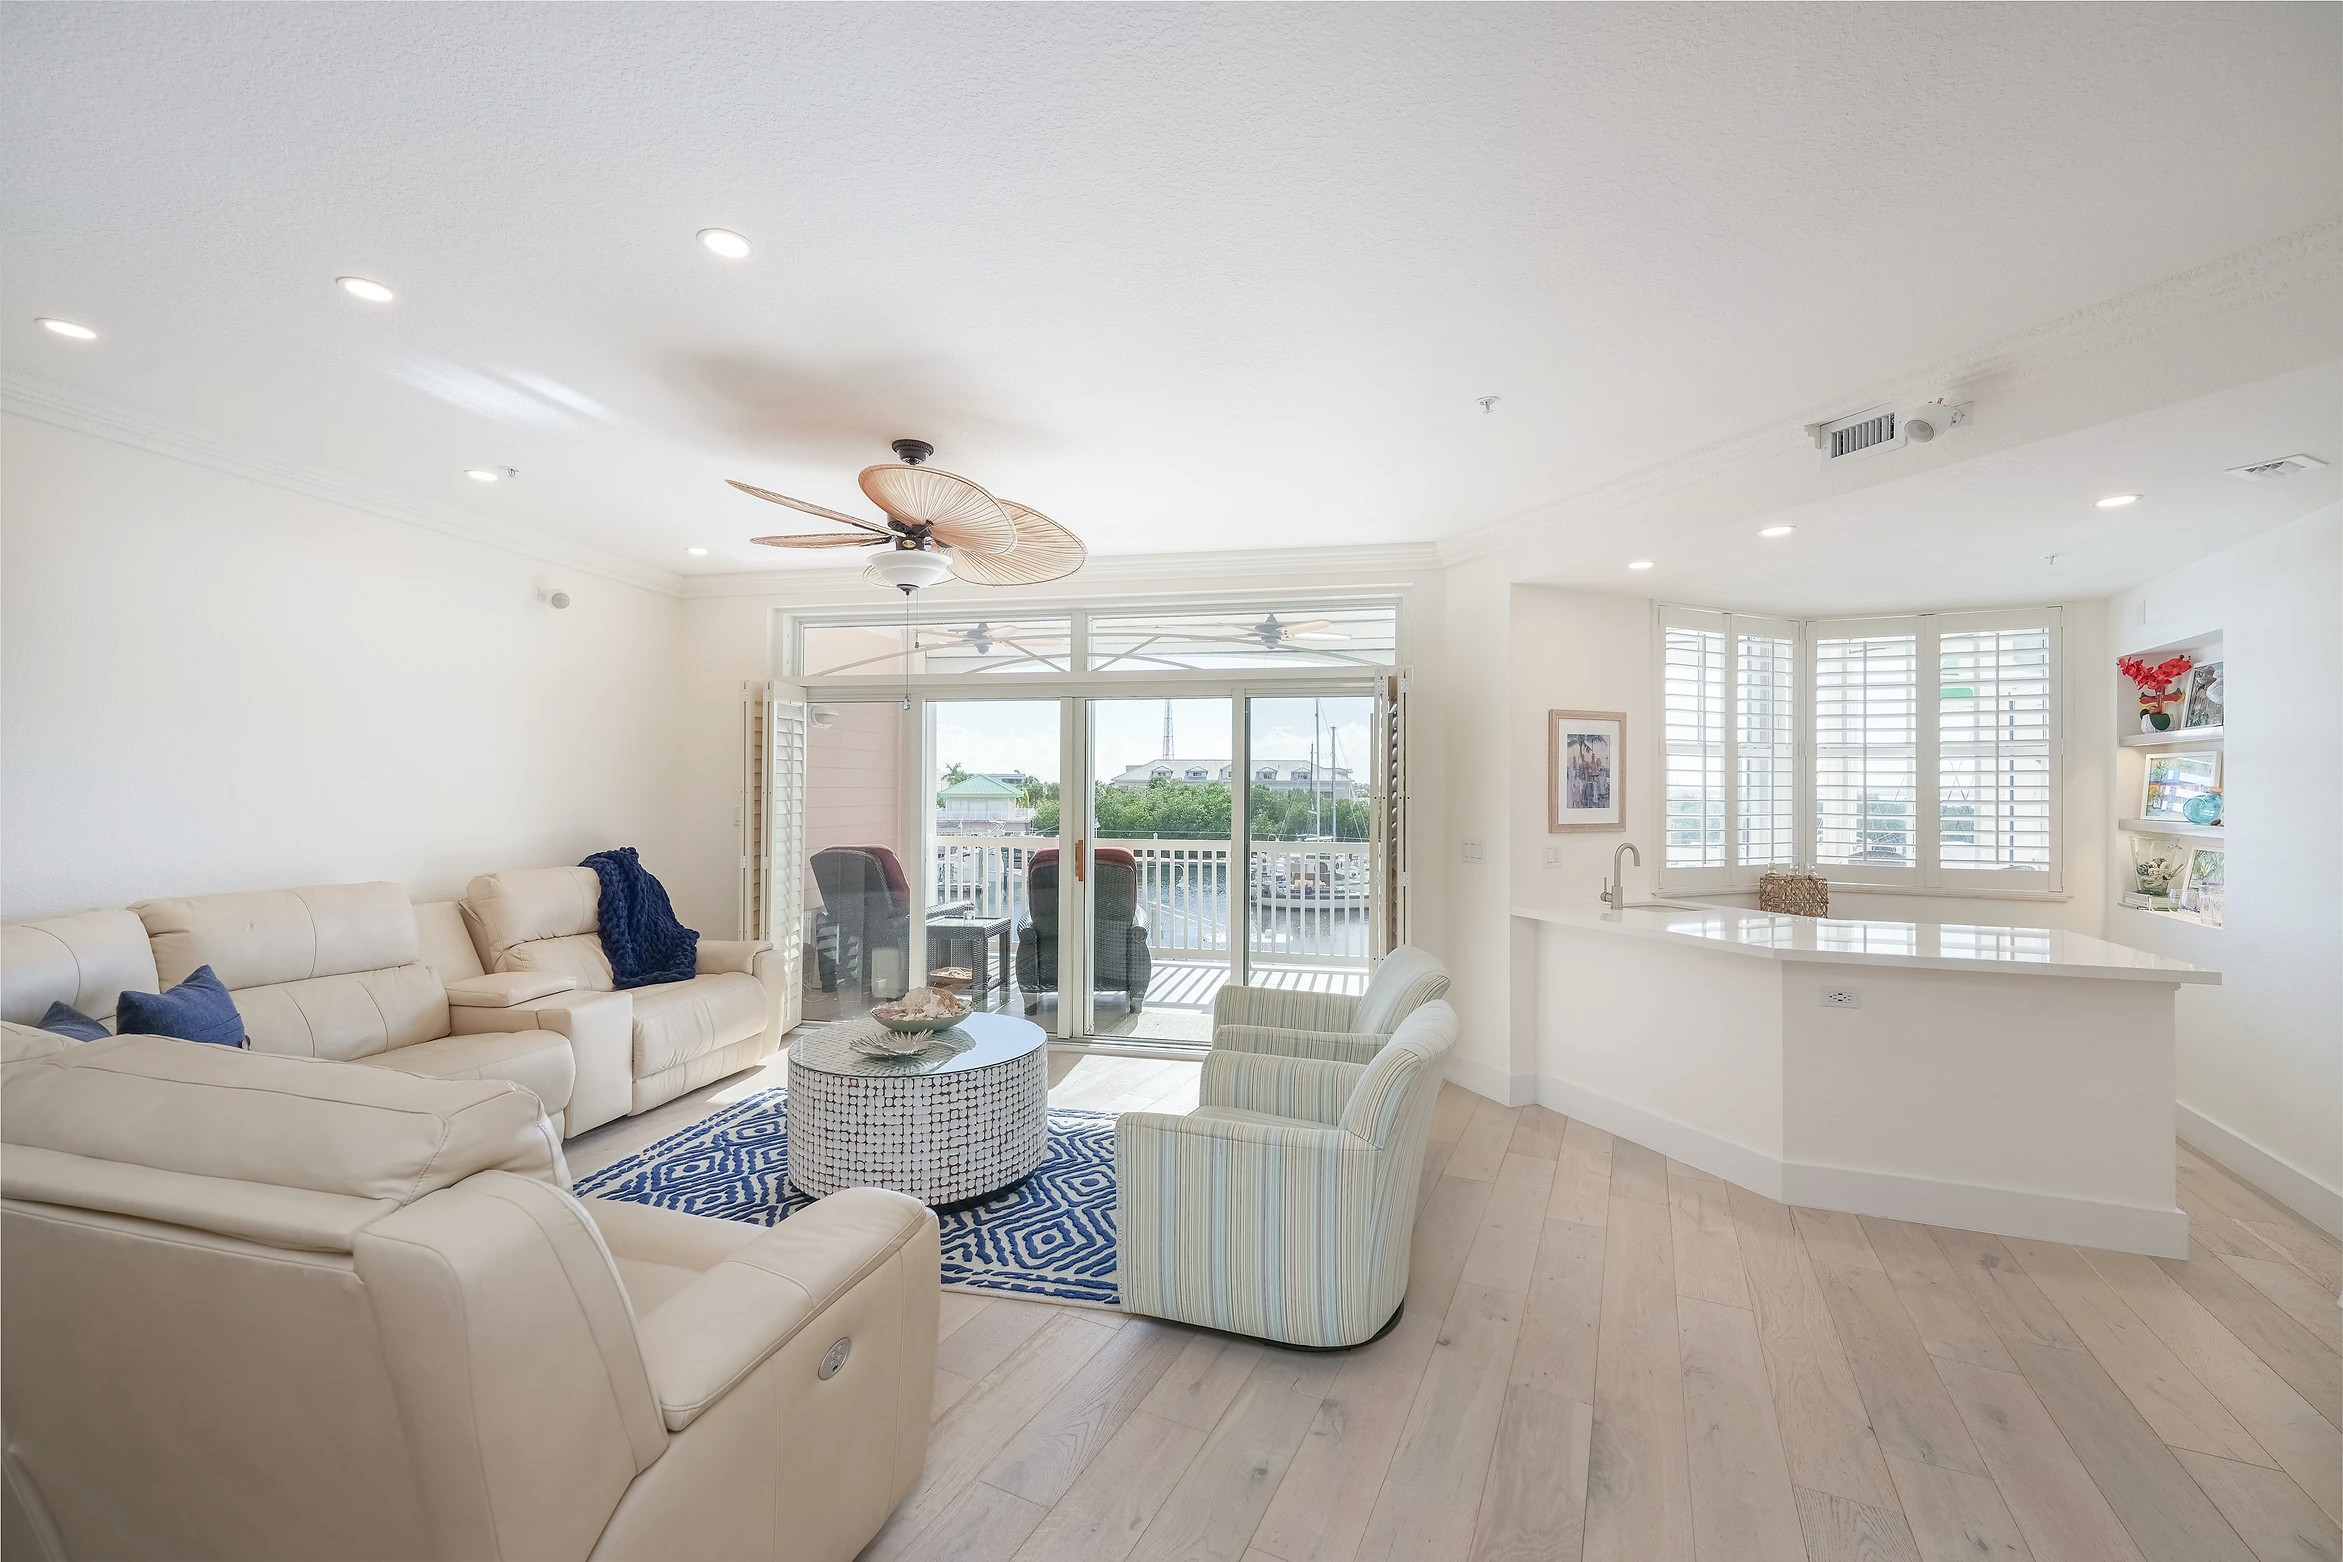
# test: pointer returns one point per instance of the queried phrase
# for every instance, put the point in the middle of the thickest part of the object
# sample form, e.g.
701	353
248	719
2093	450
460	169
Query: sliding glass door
1103	864
1311	890
1159	865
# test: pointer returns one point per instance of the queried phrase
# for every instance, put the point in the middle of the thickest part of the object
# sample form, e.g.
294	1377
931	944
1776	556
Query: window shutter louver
1765	740
1866	751
1692	698
1994	750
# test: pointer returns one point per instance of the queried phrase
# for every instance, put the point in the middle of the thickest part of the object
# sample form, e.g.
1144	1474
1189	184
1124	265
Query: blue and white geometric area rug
1052	1235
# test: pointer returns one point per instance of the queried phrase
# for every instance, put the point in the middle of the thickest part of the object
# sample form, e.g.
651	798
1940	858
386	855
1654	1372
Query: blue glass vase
2203	810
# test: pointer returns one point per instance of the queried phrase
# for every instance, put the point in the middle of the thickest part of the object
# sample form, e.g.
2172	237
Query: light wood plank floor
1609	1357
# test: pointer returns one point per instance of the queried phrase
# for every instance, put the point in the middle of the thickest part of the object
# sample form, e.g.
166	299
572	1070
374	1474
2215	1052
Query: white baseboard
1492	1083
2006	1212
2282	1180
1696	1147
2124	1228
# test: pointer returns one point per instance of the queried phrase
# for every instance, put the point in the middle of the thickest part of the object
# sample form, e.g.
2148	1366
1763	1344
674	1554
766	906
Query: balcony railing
1309	899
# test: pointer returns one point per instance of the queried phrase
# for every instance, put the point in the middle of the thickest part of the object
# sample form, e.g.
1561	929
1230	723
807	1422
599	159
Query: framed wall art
1586	755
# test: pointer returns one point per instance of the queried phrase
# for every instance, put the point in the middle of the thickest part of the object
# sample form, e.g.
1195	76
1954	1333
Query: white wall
2261	1056
209	683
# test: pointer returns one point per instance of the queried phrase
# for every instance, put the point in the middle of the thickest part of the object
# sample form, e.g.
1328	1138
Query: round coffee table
943	1125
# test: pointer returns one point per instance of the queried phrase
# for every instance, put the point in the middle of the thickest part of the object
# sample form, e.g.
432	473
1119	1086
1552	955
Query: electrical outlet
1841	998
1475	851
1553	856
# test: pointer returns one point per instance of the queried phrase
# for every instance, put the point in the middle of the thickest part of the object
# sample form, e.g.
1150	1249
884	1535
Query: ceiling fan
1274	636
938	524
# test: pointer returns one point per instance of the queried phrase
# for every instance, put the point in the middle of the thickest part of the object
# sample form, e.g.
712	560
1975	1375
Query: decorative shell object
922	1009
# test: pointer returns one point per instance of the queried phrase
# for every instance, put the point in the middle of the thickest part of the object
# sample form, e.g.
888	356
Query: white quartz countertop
1933	946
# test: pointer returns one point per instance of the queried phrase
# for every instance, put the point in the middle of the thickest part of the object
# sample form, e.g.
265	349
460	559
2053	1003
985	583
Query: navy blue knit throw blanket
644	942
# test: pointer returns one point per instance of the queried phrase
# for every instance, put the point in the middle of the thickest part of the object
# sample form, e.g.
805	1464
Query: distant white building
982	805
1279	775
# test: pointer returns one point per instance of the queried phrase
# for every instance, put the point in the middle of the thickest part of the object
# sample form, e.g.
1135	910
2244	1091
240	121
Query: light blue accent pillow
63	1019
198	1009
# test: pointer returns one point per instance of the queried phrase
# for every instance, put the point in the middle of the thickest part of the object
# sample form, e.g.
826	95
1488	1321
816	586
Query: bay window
1916	753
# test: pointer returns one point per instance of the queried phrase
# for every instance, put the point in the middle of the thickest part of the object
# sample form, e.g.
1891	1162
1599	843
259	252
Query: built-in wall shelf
2210	832
2176	735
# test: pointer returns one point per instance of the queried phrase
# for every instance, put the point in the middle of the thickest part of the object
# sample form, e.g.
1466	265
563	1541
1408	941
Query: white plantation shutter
772	848
1996	752
1919	752
1866	753
1765	746
1693	719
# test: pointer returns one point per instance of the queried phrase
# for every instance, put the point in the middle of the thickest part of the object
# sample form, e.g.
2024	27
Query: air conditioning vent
1849	439
1865	433
2284	466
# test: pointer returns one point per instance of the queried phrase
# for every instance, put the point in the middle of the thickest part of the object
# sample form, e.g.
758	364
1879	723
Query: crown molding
44	401
1344	568
2309	258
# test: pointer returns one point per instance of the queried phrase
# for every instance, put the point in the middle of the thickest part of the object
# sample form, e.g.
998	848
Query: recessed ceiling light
724	242
2118	501
80	333
697	553
1775	531
1640	564
482	474
361	287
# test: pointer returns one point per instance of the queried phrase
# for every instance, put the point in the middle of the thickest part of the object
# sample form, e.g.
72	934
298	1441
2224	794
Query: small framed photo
2205	696
1586	753
2206	886
2174	777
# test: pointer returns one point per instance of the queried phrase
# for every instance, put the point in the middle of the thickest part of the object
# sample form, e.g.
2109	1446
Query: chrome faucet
1615	887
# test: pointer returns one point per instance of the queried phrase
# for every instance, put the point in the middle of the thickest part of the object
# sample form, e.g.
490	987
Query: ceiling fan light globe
908	569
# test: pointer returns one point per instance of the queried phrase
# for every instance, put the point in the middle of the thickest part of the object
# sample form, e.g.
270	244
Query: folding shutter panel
773	834
1387	818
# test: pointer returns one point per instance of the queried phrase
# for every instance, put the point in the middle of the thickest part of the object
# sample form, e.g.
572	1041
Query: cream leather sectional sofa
264	1306
508	983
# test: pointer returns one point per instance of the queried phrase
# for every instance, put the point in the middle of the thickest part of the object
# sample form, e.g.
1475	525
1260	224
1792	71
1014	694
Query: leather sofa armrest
729	954
504	989
601	1031
713	1333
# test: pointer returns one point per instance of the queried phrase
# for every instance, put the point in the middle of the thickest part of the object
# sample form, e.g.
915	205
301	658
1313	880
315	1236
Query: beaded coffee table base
946	1125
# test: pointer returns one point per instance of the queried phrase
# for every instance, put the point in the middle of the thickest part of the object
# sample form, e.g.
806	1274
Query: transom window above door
1295	636
1019	647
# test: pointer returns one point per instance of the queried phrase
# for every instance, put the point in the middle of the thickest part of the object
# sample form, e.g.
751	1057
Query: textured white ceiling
1181	277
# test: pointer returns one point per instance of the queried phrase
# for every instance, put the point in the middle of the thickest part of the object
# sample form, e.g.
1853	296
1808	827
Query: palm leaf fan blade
955	511
807	506
1045	551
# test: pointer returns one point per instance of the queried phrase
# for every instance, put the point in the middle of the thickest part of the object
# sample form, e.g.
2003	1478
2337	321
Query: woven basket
1794	894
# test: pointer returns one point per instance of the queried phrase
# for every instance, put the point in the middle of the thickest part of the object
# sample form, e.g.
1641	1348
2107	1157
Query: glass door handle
1081	875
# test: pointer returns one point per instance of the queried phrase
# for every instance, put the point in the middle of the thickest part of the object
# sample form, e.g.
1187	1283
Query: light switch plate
1475	851
1841	998
1553	856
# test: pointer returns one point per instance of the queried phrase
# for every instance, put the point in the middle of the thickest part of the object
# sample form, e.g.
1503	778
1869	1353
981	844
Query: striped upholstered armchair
1283	1206
1325	1025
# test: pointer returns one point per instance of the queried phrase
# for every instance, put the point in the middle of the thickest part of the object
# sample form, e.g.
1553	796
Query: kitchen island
2004	1079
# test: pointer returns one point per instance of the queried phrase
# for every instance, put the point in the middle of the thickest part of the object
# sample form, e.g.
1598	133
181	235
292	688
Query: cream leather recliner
337	971
271	1307
543	922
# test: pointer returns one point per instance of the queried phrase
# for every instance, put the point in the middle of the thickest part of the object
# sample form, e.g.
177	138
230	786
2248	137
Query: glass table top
979	1041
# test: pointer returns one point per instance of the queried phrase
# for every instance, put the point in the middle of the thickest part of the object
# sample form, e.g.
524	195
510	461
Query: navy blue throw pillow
63	1019
198	1009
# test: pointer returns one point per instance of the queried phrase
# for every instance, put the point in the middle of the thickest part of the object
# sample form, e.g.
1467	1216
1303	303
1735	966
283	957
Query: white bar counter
2004	1079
